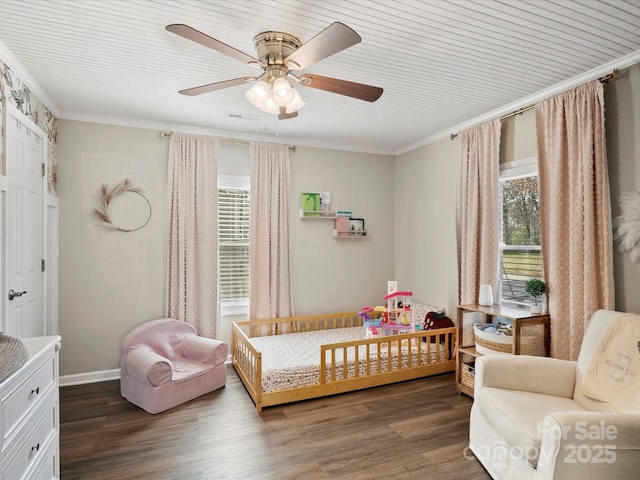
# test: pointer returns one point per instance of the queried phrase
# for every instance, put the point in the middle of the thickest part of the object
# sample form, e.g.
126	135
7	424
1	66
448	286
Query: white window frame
242	182
526	167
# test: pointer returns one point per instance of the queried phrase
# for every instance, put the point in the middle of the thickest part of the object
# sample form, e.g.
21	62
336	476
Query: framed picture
356	226
311	204
325	201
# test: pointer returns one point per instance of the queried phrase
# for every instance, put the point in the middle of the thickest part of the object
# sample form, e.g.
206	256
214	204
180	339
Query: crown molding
12	62
620	63
220	133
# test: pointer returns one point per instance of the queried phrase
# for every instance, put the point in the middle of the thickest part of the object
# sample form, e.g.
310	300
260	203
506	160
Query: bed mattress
293	360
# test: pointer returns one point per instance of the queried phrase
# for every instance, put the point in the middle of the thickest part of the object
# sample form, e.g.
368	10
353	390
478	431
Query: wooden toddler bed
284	360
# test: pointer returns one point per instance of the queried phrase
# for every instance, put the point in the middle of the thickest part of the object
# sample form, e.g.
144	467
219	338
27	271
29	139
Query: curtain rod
614	75
228	140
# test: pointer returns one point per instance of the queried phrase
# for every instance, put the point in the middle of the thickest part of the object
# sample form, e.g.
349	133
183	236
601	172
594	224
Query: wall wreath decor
108	195
627	225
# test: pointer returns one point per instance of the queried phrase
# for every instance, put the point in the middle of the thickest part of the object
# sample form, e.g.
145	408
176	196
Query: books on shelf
317	204
311	204
342	226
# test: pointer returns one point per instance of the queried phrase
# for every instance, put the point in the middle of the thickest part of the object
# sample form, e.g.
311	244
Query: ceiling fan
279	56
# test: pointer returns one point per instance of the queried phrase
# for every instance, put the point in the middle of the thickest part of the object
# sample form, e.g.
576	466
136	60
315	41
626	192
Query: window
233	243
520	254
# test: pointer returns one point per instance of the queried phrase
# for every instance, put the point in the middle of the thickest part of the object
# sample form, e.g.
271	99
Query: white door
25	153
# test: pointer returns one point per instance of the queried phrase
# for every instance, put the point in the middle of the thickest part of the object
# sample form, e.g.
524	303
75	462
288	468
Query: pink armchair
164	363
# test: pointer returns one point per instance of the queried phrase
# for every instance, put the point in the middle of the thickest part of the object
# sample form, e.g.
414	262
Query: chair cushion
204	350
184	369
147	366
517	416
614	374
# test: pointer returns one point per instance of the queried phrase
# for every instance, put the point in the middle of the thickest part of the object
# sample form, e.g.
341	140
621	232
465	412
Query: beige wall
426	179
332	274
425	255
518	137
622	112
112	281
109	281
425	251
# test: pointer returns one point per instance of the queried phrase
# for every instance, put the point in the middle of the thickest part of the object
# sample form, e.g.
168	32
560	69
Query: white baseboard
89	377
101	376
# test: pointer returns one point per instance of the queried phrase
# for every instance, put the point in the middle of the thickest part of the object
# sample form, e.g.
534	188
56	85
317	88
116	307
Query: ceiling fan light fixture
296	103
270	106
260	90
259	94
279	54
271	99
282	92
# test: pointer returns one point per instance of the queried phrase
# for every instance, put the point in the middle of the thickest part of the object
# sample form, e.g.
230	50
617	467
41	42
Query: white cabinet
30	415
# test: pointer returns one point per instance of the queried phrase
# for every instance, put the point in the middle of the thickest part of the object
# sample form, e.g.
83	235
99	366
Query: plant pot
537	309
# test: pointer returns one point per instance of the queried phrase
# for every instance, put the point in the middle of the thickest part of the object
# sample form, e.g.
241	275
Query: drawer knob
35	390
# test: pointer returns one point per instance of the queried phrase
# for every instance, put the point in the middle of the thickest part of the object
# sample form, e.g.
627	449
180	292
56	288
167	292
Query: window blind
233	244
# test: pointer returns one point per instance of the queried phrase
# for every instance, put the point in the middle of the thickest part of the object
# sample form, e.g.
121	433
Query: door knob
13	294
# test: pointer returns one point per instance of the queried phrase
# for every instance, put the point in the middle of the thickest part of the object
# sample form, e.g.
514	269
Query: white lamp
282	92
296	103
270	99
259	93
486	296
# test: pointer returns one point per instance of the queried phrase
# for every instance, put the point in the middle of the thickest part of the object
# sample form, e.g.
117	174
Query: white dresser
30	415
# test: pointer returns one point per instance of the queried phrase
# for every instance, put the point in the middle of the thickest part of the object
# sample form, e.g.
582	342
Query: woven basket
469	319
13	355
489	343
467	375
531	341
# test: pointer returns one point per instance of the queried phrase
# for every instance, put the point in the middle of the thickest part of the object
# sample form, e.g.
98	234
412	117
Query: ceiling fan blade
342	87
203	39
210	87
333	39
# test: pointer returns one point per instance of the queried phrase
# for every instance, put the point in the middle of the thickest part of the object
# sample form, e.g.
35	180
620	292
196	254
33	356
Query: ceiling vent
243	116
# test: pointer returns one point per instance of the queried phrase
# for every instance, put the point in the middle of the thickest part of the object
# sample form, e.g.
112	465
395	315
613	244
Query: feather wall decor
627	225
107	195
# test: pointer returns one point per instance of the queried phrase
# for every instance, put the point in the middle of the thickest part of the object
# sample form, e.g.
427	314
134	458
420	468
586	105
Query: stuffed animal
434	320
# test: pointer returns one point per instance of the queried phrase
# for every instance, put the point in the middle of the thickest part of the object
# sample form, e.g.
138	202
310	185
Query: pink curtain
477	212
270	293
192	264
575	217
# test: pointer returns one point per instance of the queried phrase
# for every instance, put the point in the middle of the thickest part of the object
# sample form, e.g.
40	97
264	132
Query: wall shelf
351	235
318	215
526	326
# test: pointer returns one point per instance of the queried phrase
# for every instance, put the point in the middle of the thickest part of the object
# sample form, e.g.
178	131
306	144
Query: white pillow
420	311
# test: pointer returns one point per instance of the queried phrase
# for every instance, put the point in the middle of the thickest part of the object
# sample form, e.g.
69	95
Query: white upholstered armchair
544	418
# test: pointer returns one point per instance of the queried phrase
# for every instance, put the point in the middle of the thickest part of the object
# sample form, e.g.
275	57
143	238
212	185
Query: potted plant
535	287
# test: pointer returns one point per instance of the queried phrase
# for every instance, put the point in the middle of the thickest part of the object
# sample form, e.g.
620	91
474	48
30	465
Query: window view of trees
520	253
520	212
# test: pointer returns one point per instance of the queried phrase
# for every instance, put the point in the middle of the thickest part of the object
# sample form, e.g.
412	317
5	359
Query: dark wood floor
416	429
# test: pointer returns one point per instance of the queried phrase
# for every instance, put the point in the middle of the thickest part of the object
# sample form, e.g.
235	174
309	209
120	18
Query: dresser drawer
25	453
18	401
47	467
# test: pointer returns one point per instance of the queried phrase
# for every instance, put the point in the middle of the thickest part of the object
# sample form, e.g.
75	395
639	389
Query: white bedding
293	360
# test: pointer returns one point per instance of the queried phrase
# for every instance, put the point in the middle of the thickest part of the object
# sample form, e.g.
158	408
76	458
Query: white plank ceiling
442	64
